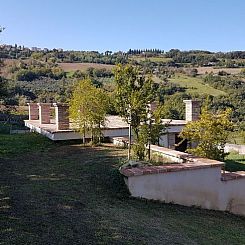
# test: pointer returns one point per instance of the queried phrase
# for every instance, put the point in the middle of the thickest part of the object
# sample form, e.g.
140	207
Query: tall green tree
88	107
210	134
133	94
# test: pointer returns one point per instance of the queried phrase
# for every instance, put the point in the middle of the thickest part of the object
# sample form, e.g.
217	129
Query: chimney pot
192	110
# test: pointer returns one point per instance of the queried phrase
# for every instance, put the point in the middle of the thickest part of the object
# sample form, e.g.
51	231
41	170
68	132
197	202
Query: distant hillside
49	75
195	85
67	67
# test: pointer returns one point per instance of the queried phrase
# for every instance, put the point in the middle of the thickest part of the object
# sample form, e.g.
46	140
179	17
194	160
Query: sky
118	25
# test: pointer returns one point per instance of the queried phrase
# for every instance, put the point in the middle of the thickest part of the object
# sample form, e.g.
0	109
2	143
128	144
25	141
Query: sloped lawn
56	193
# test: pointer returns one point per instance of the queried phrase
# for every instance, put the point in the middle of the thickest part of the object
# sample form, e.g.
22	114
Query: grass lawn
195	85
19	144
235	162
52	193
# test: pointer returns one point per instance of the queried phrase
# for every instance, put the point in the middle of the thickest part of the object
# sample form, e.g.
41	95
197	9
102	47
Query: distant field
203	70
67	67
4	69
195	85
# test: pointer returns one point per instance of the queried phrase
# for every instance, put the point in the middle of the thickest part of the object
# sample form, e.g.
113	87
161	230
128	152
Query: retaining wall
197	182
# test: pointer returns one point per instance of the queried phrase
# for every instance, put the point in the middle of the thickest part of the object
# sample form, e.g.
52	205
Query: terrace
59	127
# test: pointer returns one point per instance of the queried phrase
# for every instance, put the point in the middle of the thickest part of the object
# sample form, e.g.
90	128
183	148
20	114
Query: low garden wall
194	182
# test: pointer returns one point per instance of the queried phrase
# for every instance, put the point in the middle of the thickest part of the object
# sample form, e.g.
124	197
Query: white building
60	128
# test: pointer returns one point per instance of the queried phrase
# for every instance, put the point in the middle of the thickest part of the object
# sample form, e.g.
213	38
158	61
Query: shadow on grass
234	165
59	196
68	194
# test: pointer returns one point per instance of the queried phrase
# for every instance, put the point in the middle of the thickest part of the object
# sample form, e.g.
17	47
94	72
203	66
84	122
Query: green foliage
243	71
173	106
148	134
88	107
3	88
133	94
36	73
210	133
234	86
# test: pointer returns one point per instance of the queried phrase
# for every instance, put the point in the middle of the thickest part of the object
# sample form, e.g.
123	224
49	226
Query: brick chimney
192	110
152	106
61	116
33	111
44	113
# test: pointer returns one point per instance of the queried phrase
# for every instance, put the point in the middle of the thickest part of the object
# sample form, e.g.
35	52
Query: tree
3	88
210	133
88	107
3	82
133	94
1	29
173	106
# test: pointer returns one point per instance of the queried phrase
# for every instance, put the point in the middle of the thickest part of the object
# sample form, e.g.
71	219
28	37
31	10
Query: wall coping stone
166	168
60	104
226	176
191	163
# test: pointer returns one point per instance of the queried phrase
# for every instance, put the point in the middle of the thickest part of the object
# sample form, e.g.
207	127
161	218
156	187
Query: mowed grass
15	145
67	194
235	162
195	85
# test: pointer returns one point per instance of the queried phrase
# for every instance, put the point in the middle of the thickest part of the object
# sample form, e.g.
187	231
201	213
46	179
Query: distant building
8	47
34	49
115	126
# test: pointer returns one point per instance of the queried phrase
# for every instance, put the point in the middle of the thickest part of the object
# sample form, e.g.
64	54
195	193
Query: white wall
199	187
163	140
49	131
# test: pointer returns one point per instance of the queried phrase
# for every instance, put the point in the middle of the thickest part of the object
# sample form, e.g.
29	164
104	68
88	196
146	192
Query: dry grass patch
204	70
67	67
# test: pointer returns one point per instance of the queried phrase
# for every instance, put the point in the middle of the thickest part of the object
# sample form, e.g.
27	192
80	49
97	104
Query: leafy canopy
88	107
134	92
210	133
